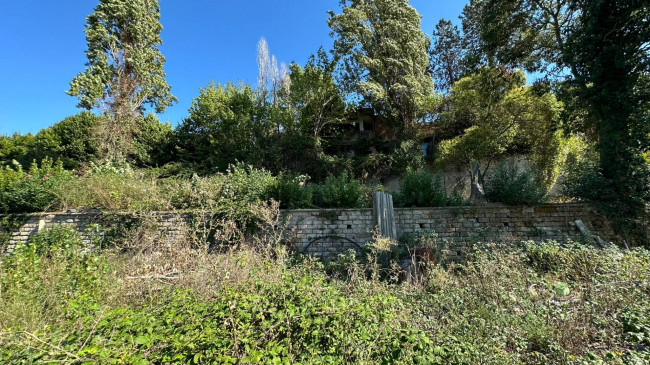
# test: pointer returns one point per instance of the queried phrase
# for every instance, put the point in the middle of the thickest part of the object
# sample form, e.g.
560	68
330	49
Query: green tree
600	49
222	127
447	55
69	140
124	71
383	54
125	67
610	50
521	33
314	97
498	113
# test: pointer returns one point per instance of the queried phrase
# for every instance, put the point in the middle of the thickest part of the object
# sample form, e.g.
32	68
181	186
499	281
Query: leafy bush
582	180
70	140
17	148
247	183
291	192
341	191
510	185
39	278
421	188
32	191
153	142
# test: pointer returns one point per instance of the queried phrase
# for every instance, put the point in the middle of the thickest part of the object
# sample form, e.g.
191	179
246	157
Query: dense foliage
612	65
492	113
398	88
421	188
120	187
532	304
595	54
510	184
364	113
30	191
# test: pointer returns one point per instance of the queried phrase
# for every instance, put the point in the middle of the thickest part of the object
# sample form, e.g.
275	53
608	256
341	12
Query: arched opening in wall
329	247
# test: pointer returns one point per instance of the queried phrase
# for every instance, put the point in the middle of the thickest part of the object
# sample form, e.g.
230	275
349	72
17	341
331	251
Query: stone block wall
499	222
328	232
93	225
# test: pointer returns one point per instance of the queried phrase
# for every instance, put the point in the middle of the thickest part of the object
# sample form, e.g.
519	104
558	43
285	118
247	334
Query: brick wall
328	232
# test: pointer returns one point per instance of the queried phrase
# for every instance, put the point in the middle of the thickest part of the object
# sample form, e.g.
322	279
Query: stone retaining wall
327	232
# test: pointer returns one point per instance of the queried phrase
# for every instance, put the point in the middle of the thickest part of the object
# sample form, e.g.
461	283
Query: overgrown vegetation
422	188
145	301
510	184
350	114
327	135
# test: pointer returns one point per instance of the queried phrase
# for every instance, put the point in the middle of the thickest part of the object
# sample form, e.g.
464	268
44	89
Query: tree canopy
383	55
447	55
222	126
495	113
125	67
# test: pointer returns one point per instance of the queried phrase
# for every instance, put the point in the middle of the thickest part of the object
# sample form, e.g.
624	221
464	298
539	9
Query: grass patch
147	301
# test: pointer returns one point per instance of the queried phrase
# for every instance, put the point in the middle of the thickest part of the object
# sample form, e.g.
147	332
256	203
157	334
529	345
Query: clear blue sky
42	48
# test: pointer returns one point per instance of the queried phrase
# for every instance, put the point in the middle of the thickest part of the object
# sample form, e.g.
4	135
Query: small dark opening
505	224
349	226
421	225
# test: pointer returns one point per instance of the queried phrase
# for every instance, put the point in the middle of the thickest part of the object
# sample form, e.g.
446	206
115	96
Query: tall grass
145	300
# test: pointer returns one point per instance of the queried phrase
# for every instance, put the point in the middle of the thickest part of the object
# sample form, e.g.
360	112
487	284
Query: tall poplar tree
383	53
124	71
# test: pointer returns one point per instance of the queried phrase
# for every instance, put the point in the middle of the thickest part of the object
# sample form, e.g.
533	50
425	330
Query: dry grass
499	306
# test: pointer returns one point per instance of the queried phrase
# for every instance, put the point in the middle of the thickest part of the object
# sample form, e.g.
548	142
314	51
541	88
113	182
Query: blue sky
42	44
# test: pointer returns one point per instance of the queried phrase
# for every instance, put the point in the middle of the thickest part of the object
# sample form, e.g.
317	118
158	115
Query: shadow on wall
456	178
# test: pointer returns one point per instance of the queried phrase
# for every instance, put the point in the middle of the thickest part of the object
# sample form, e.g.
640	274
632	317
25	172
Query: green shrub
583	181
341	191
247	183
153	142
70	140
32	191
291	192
510	185
40	278
17	148
421	188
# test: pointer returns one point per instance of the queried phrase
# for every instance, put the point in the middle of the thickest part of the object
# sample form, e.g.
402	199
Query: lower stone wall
497	222
327	232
